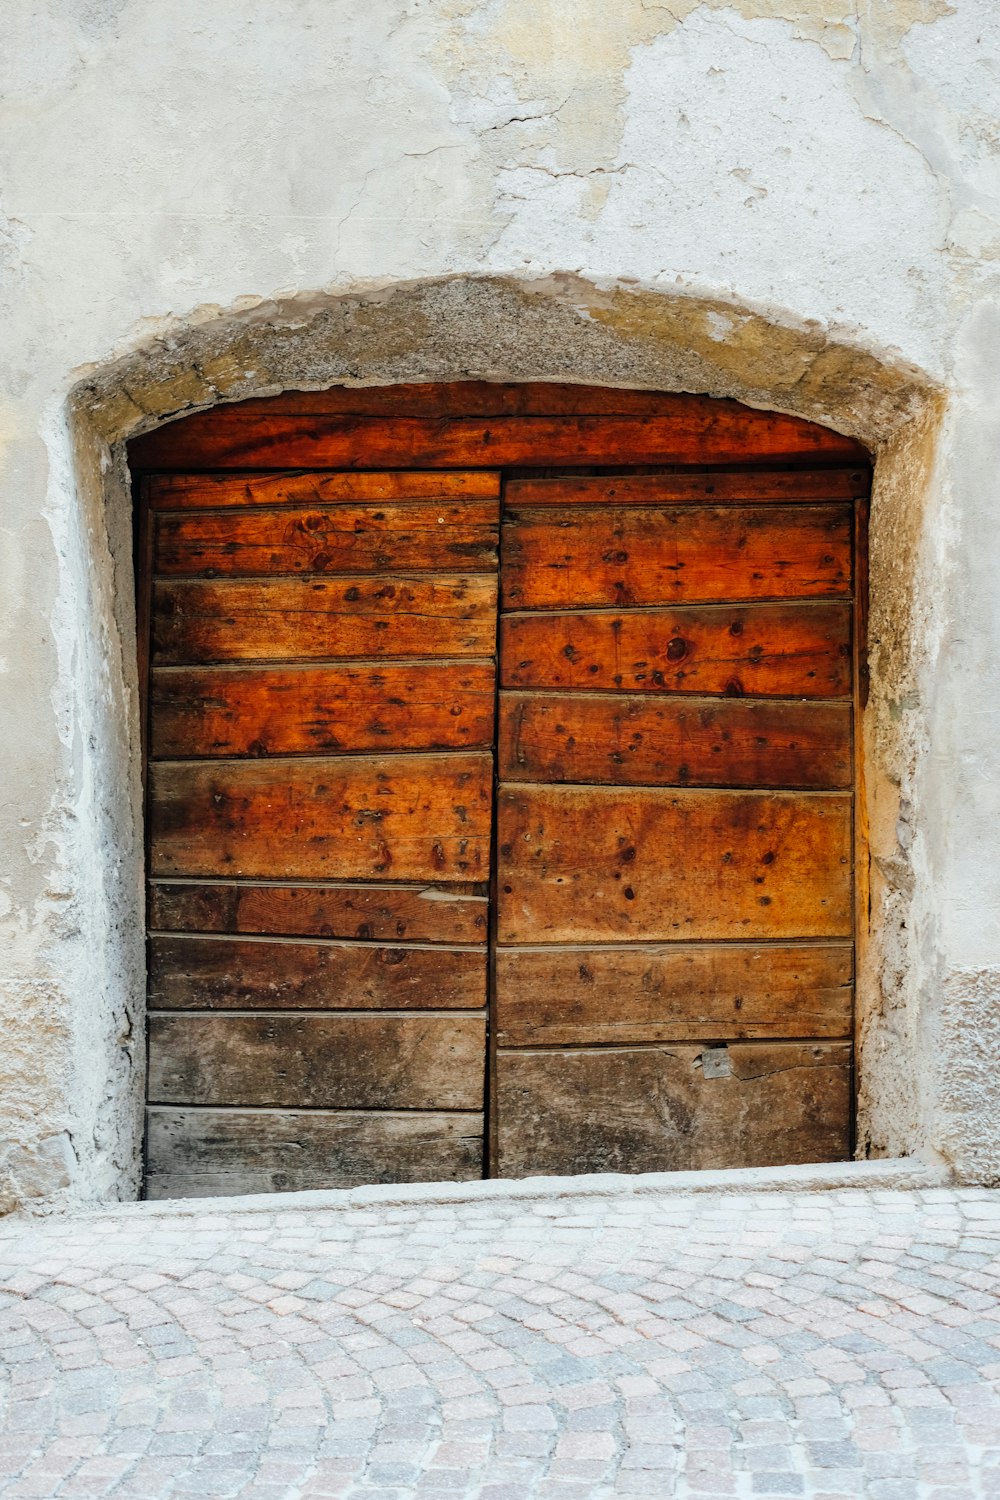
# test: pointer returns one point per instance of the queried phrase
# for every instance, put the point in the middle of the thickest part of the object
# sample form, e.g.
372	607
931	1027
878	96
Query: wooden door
320	791
633	893
674	825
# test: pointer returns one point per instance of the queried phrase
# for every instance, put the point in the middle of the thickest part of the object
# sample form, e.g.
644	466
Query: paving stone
838	1346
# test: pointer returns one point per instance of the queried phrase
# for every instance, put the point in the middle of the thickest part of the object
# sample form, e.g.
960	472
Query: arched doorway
500	785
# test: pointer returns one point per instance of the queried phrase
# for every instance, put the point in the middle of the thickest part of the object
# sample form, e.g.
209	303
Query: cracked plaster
795	202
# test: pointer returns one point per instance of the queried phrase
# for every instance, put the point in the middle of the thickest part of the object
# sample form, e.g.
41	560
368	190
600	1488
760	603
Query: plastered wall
796	202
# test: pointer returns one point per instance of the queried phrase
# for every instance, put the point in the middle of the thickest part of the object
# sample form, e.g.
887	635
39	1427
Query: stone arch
565	329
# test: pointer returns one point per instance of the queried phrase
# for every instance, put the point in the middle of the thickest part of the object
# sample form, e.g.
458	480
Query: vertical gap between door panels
490	1144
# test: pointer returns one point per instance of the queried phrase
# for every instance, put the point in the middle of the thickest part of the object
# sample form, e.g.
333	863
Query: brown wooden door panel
279	619
456	914
201	1153
403	817
436	535
576	997
221	973
671	961
629	740
713	488
229	711
565	559
655	1109
586	864
213	491
763	650
293	1061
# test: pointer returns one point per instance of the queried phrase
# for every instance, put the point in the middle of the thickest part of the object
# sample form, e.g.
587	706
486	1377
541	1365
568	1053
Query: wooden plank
576	997
747	485
764	650
402	817
630	740
200	1153
377	913
209	620
591	864
486	398
301	710
234	437
566	559
441	534
323	1062
223	973
657	1109
196	491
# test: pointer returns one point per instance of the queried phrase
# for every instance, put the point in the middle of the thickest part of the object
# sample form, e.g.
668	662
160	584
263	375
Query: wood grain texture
653	1109
284	710
764	650
694	430
200	1153
440	534
566	559
402	817
213	491
215	620
431	914
324	1062
220	973
624	740
715	488
611	996
592	864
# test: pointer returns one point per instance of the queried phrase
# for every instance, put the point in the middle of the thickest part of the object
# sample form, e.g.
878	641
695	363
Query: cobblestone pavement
826	1345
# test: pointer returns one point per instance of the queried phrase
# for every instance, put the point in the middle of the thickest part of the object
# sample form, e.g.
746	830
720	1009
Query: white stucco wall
185	188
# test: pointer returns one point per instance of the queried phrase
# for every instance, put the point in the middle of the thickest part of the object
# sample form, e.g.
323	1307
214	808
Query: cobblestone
825	1345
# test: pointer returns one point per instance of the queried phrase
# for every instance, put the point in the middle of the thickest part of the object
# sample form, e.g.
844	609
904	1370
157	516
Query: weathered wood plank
757	485
401	817
656	1109
222	973
325	1062
378	913
200	1153
293	710
625	740
208	620
200	491
236	437
567	559
441	534
552	997
589	864
795	650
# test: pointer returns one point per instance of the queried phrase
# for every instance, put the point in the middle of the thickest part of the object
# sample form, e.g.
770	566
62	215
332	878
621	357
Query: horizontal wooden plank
698	433
201	1153
402	817
198	491
565	559
438	534
716	487
291	710
576	997
223	973
484	398
275	619
432	914
324	1062
763	650
630	740
657	1109
591	864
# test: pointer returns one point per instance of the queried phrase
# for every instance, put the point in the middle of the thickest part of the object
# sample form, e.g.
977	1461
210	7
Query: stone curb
898	1174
